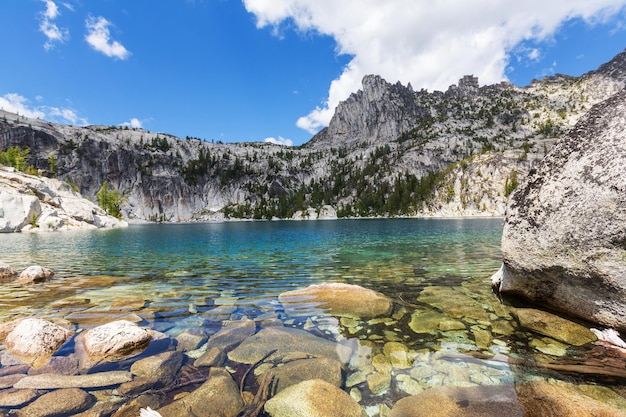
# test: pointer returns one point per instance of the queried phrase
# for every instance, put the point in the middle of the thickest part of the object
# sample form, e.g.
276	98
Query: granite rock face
564	238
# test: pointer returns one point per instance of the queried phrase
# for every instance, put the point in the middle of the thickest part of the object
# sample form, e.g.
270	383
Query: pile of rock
32	203
32	274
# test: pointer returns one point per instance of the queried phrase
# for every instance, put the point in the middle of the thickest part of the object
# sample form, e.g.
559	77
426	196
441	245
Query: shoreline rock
564	241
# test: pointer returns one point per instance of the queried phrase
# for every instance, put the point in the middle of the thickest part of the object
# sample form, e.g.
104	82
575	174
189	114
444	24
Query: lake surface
437	272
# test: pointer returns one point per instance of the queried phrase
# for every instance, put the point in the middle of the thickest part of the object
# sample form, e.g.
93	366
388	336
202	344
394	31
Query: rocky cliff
35	203
564	238
388	150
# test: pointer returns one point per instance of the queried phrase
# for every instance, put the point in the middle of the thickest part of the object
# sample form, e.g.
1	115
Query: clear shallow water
434	270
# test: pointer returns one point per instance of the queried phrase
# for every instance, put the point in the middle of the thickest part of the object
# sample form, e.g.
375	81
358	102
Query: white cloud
429	44
99	37
280	141
133	123
15	103
49	28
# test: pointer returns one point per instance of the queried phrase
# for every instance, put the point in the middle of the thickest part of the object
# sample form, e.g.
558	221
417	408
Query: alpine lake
446	331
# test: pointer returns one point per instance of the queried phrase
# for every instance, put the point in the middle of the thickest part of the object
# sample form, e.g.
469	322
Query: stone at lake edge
115	340
34	340
340	300
313	398
6	272
64	402
564	241
554	326
34	274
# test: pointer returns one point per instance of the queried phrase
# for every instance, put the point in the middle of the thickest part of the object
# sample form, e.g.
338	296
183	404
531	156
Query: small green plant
110	200
72	185
33	220
510	183
53	164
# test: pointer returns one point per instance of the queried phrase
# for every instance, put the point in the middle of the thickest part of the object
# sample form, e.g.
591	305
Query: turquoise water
437	272
253	262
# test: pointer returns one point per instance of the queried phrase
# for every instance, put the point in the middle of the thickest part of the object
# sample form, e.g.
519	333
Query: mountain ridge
388	151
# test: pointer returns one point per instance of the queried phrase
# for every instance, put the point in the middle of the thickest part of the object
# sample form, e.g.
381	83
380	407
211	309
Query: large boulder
35	340
34	274
114	341
338	299
564	237
17	210
7	272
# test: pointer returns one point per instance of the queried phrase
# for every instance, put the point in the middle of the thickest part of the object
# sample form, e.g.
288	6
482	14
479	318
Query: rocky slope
564	239
35	203
389	150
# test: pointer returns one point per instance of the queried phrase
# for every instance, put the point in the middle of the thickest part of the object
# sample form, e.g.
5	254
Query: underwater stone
554	326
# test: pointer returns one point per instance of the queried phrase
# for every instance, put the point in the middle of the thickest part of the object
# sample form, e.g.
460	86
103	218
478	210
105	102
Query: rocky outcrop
34	274
37	203
564	240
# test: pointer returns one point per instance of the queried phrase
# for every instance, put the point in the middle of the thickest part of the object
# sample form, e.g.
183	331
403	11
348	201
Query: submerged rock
54	381
314	398
554	326
217	397
488	401
301	370
64	402
280	341
340	300
564	241
34	340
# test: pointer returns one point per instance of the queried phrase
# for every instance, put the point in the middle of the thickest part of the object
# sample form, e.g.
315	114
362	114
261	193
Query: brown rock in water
564	240
313	398
34	340
63	402
486	401
558	398
162	367
297	371
217	397
339	300
232	334
280	341
554	326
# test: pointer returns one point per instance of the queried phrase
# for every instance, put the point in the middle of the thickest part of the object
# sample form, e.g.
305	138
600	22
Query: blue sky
256	70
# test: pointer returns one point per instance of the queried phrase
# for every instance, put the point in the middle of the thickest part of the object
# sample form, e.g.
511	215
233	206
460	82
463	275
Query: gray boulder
564	237
34	274
114	341
34	340
6	272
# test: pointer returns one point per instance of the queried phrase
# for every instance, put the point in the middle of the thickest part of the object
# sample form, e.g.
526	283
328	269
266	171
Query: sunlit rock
313	398
34	340
554	326
297	371
340	300
115	340
34	274
564	241
63	402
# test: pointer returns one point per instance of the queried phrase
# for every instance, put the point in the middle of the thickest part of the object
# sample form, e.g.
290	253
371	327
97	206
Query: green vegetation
510	183
16	158
110	200
53	164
